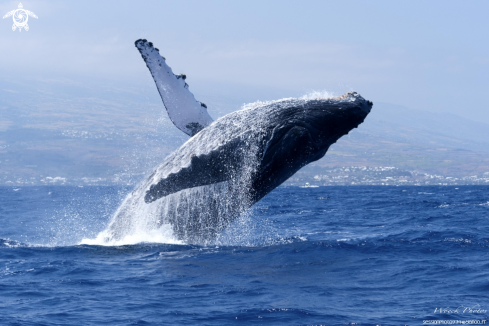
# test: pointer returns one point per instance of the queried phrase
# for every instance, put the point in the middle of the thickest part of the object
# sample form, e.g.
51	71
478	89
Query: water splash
200	214
163	234
191	216
313	95
318	95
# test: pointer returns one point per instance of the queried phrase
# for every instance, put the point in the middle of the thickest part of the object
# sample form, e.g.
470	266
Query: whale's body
230	164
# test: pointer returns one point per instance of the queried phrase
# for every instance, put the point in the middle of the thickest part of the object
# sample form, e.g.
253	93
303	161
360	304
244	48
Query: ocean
373	255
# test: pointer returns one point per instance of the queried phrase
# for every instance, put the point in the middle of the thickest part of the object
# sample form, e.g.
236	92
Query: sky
425	55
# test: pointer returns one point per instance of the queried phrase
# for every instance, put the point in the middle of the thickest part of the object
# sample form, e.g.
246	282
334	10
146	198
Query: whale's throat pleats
188	114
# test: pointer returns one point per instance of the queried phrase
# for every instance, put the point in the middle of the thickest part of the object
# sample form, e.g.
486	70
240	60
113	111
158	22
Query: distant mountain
70	131
81	132
398	123
414	140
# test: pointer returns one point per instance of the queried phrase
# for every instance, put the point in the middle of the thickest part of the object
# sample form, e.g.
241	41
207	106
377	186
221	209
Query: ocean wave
7	243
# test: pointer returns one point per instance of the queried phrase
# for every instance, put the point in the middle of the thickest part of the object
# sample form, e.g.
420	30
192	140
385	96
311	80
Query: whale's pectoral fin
188	114
203	170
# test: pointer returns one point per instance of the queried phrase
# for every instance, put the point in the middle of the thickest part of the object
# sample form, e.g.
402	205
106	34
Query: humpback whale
229	164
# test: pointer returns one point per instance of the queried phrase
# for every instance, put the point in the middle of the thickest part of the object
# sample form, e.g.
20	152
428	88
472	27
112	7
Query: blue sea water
303	256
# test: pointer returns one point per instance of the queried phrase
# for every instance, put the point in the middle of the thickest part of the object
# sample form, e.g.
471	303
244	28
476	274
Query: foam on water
10	243
164	234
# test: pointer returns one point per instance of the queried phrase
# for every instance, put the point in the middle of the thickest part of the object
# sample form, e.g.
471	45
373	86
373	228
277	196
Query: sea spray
219	173
194	216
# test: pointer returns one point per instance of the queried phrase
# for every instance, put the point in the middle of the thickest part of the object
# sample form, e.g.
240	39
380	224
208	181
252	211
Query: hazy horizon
427	56
77	100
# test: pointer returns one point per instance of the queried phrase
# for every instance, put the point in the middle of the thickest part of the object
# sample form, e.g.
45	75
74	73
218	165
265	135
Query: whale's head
324	121
301	131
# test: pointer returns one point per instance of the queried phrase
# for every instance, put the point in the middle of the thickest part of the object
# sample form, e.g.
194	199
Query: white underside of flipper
188	114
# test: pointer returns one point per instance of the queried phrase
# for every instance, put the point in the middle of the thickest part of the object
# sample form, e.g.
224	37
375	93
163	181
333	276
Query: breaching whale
229	164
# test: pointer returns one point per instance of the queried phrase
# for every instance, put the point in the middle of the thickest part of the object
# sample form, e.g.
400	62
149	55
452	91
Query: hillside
84	132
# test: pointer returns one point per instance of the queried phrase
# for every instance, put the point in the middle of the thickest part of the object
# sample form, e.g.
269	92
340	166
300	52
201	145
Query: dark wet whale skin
227	167
278	139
